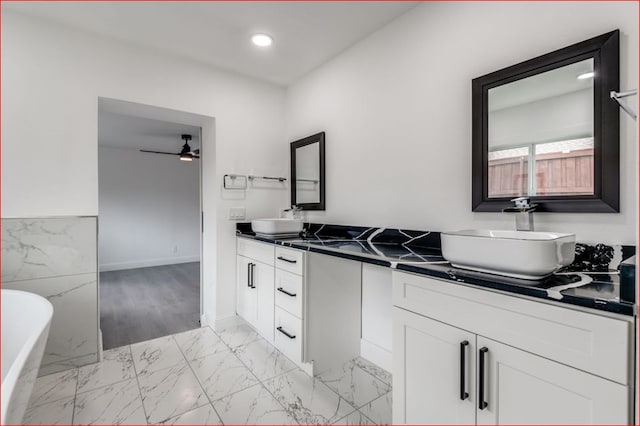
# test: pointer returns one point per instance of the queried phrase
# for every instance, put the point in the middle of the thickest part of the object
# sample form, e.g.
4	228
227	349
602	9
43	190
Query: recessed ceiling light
586	75
262	40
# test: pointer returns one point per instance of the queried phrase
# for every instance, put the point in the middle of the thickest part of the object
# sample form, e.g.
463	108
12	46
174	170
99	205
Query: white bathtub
25	327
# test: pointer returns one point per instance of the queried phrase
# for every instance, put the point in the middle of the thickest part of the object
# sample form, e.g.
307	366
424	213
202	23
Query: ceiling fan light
186	157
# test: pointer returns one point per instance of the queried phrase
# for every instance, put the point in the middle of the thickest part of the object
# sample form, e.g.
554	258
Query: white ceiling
124	131
306	34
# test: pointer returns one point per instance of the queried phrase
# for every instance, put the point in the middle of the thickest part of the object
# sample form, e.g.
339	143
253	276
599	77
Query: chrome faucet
524	213
294	209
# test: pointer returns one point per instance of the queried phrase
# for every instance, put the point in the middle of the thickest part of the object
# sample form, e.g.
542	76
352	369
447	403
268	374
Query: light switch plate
237	213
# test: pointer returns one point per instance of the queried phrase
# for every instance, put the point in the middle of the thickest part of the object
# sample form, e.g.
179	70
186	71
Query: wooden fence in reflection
556	174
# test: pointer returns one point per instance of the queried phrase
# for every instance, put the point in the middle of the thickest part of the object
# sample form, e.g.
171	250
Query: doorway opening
150	222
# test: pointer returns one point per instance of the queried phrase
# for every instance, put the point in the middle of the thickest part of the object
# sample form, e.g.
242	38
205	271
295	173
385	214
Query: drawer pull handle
463	368
290	336
287	260
282	290
253	275
482	404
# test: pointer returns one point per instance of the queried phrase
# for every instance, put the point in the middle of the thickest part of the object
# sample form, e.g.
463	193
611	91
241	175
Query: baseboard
147	263
376	354
231	321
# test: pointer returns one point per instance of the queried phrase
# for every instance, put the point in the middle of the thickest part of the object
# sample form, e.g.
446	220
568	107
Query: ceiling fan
186	154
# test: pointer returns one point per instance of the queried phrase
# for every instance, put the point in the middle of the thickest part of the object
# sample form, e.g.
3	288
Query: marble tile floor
202	377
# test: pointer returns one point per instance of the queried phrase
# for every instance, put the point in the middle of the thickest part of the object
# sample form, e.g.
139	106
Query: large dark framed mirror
307	172
547	129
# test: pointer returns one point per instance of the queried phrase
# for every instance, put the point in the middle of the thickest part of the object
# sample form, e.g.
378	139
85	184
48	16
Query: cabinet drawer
290	260
262	252
288	334
289	292
589	342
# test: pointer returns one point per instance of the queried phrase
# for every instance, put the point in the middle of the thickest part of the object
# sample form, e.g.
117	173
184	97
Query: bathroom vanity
288	296
464	355
467	347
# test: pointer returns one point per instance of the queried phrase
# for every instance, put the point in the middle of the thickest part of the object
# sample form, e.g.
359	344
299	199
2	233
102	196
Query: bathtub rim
11	379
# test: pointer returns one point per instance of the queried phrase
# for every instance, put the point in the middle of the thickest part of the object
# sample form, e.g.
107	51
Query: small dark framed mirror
547	129
307	173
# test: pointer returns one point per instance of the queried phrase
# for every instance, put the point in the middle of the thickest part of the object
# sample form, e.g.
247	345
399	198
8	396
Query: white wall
149	209
52	77
396	109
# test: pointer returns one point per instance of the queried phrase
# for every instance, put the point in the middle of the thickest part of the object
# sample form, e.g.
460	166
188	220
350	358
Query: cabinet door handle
287	260
290	336
463	369
249	275
253	275
282	290
482	404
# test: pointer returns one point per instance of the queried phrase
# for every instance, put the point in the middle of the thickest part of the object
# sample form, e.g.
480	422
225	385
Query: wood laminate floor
145	303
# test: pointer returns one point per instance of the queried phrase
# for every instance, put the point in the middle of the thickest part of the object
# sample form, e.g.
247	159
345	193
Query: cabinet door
263	286
524	388
246	296
433	371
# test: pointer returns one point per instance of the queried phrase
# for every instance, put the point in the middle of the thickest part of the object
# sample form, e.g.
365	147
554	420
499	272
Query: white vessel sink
277	227
519	254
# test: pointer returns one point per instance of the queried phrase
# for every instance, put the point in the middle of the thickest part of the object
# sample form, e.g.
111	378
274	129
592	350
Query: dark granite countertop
582	283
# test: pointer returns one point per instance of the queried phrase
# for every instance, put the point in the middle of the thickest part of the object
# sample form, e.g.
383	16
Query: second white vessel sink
277	227
520	254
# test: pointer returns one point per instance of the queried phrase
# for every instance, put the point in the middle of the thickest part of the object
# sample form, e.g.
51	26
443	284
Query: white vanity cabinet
255	285
289	302
429	359
521	387
245	295
464	355
307	304
270	287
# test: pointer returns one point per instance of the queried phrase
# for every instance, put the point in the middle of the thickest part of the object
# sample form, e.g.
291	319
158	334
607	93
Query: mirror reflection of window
308	174
541	134
509	172
564	168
